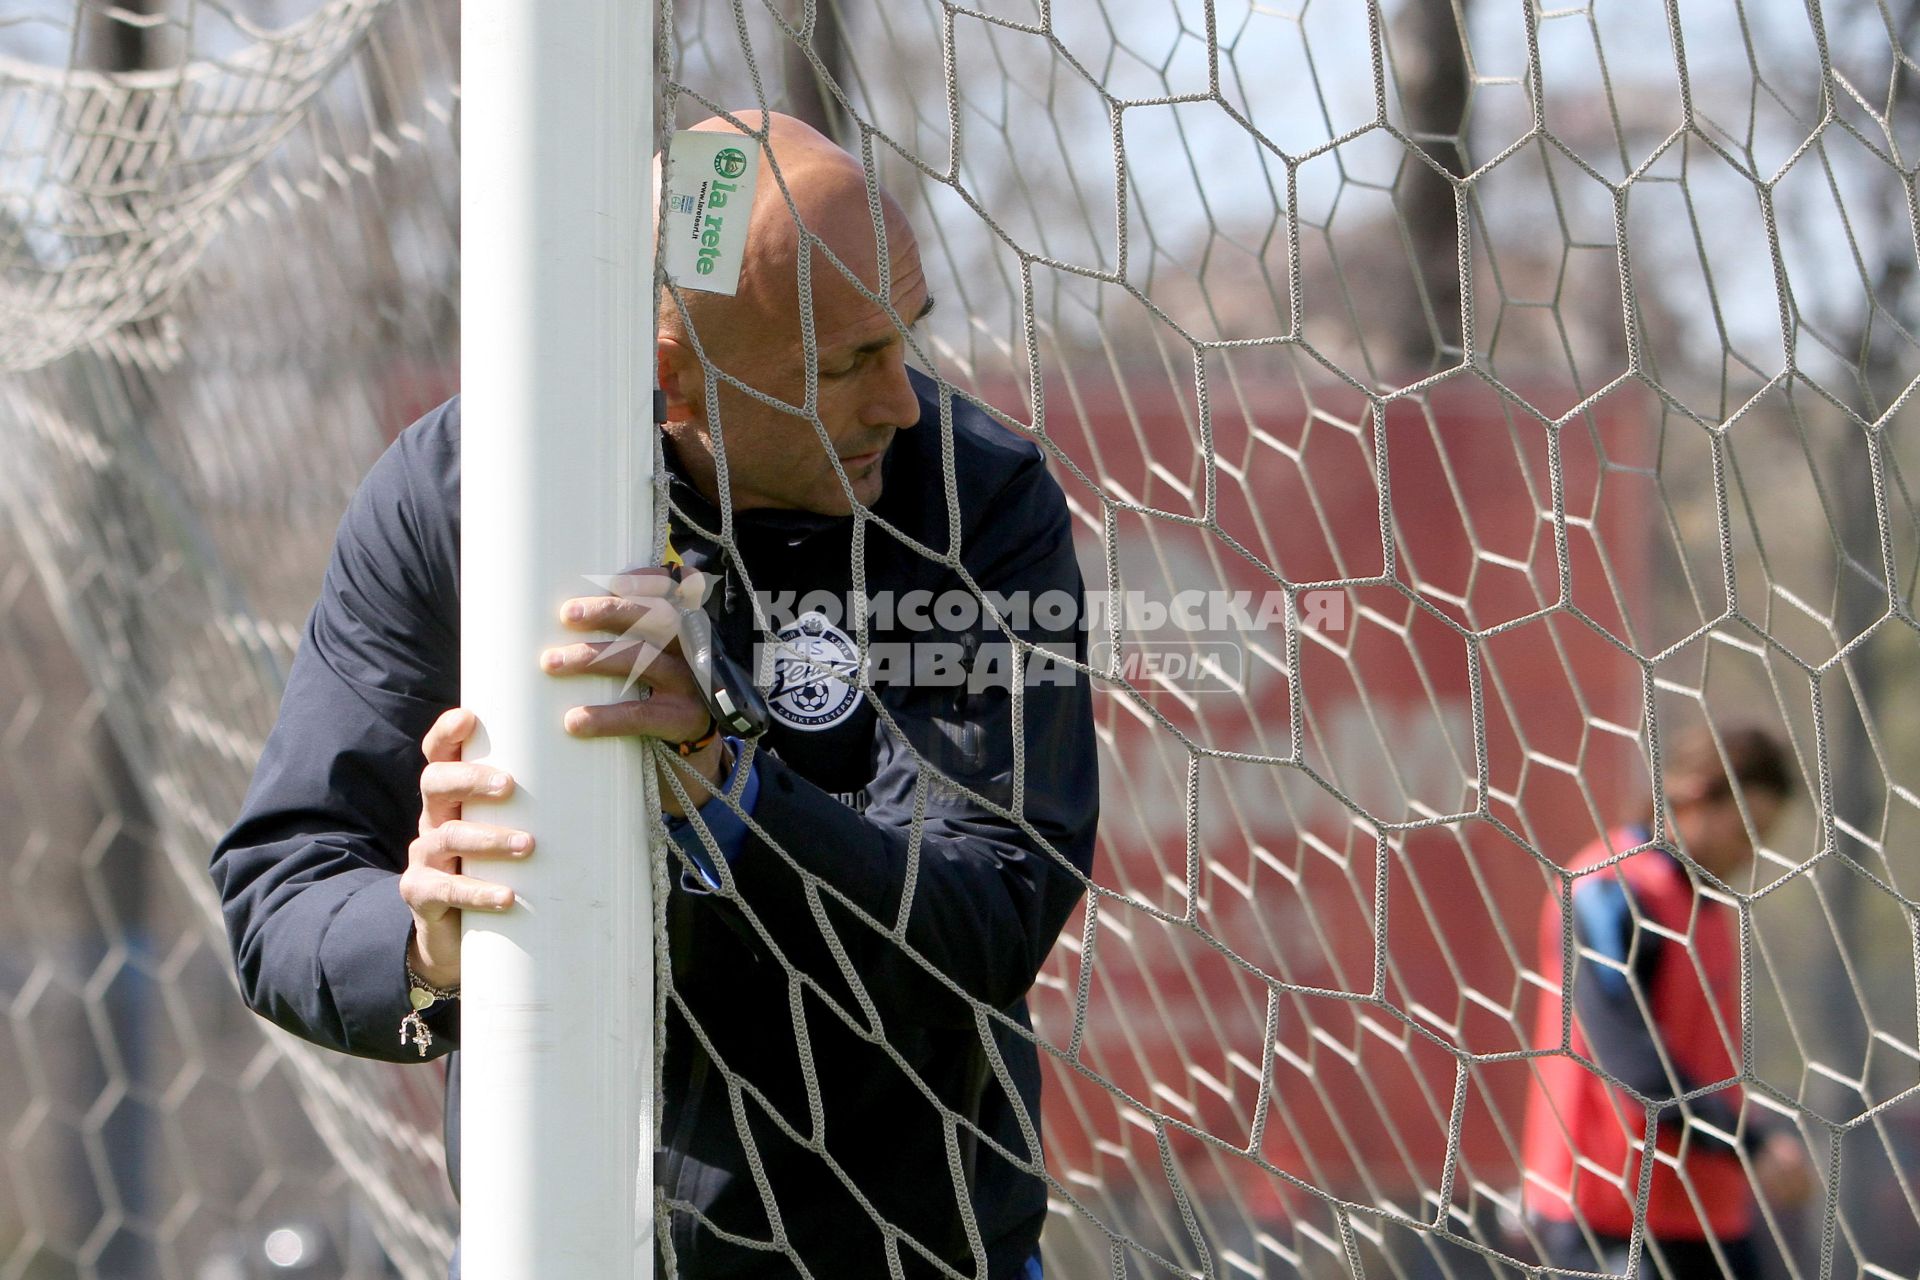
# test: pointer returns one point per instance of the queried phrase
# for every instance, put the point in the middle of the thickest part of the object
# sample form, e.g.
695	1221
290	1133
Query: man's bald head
812	179
812	202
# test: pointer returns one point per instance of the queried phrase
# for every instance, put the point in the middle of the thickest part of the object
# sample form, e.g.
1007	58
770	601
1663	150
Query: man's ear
672	362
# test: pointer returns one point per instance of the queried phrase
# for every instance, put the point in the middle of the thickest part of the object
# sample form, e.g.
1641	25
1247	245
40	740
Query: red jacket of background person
1583	1134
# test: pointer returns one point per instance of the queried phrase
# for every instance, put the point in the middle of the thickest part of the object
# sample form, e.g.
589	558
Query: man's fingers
440	847
462	781
431	893
680	585
673	717
653	617
623	657
672	710
448	734
645	581
447	784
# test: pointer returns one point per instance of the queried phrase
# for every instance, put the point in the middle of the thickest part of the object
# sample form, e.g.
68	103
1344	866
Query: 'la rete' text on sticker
710	177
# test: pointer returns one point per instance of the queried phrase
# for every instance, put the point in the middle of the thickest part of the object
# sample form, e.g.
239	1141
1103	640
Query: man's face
1716	835
775	458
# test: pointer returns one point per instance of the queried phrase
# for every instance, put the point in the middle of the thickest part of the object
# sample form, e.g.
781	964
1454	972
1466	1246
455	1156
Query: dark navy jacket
309	874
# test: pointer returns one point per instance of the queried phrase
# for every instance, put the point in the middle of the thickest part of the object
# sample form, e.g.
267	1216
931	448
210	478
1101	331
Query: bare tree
1428	53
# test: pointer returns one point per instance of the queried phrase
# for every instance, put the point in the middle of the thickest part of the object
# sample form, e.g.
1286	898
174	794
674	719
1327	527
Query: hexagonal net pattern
1482	427
228	261
1464	412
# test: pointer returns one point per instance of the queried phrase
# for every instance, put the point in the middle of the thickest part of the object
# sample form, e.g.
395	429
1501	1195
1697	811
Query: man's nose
894	402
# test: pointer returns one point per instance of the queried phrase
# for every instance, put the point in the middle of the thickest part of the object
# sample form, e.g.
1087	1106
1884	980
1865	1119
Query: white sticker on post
709	197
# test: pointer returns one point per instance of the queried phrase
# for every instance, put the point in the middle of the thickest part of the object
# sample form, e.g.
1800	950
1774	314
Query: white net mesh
1548	368
227	264
1551	363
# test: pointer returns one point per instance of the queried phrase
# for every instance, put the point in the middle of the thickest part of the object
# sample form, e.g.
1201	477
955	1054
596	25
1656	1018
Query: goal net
1457	405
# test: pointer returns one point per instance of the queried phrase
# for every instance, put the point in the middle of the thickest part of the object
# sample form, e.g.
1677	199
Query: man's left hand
646	654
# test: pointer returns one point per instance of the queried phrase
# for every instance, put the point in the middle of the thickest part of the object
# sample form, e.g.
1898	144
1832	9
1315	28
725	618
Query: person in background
1656	1005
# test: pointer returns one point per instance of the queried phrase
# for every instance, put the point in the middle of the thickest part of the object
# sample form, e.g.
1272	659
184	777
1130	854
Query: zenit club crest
815	670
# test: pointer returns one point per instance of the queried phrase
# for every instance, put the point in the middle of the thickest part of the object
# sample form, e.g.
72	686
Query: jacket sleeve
972	895
1612	997
308	877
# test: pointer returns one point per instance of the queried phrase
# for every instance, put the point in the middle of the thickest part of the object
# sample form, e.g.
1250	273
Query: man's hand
1784	1171
433	885
647	651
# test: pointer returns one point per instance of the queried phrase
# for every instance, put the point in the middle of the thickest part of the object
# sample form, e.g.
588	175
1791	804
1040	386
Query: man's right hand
433	885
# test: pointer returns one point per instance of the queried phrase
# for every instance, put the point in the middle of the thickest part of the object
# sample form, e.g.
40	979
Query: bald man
889	1133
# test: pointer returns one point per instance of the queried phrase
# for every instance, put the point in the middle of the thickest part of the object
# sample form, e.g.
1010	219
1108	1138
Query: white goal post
557	467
